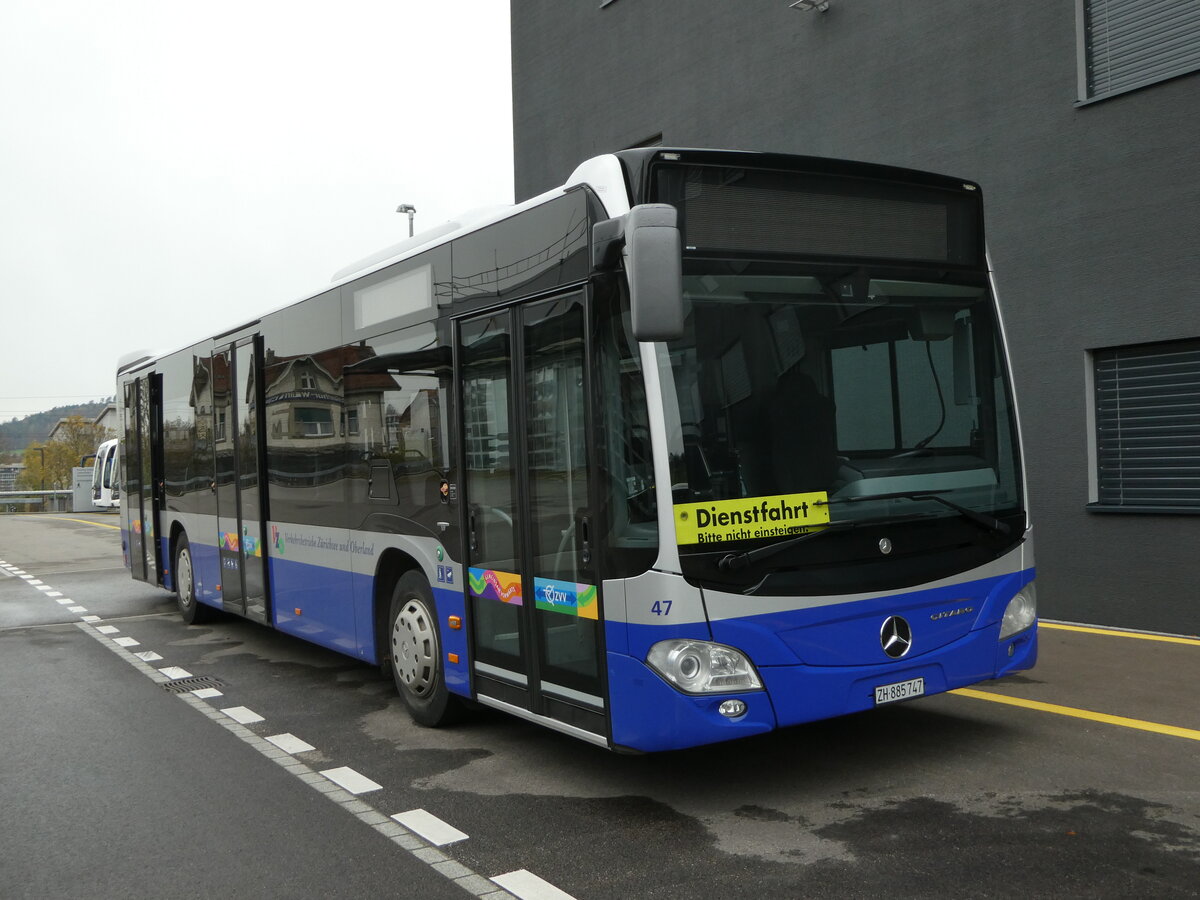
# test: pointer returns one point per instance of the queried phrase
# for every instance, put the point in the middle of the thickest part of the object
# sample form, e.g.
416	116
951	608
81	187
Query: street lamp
412	211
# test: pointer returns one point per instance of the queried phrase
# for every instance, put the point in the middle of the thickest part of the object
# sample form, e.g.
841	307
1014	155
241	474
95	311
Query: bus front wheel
416	656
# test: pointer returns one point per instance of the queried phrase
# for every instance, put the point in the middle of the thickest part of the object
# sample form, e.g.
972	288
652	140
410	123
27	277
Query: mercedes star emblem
895	637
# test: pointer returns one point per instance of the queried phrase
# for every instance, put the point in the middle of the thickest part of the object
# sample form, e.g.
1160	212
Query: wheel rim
414	648
183	573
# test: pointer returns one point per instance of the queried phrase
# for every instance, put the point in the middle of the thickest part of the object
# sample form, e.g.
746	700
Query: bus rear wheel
192	610
416	655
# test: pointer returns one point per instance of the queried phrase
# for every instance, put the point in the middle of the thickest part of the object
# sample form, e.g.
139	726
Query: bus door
143	475
532	584
237	413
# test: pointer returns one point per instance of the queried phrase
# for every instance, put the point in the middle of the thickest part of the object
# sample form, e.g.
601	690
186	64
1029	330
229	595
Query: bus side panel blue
452	602
314	603
206	572
168	564
648	714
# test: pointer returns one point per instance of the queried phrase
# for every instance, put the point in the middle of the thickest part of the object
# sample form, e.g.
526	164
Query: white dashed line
528	886
54	594
174	672
241	715
354	782
77	609
340	785
108	629
126	642
430	827
288	743
91	619
64	601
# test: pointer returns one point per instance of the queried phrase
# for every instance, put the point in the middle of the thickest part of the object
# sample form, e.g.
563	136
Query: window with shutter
1128	44
1147	420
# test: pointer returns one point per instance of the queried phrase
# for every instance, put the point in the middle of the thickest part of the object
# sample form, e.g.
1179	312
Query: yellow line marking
80	521
1165	638
1173	730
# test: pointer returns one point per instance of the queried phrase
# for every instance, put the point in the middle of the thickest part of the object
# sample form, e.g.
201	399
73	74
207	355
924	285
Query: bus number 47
661	607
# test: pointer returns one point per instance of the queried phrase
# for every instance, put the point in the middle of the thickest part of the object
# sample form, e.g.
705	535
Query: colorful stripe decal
566	597
490	584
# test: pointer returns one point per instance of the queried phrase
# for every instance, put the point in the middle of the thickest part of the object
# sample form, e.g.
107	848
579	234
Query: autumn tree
50	463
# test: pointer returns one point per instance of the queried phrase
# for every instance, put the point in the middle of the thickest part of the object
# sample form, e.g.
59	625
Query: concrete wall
1093	211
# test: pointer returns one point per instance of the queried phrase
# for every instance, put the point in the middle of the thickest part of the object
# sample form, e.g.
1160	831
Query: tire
192	610
415	653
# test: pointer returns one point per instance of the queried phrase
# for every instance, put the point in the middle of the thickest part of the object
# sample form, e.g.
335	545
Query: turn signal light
455	623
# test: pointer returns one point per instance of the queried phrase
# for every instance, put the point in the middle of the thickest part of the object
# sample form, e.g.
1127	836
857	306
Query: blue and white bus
106	489
699	445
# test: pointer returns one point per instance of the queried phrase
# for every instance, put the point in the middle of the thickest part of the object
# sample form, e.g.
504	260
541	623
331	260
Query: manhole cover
195	683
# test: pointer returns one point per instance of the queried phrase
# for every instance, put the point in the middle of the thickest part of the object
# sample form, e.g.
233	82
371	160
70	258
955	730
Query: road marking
242	716
108	629
126	642
85	522
91	619
430	827
528	886
54	594
147	656
37	581
174	672
289	743
1112	632
352	781
77	609
64	601
206	693
406	840
1140	724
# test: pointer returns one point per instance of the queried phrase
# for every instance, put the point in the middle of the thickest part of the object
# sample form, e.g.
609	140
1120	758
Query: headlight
701	667
1020	613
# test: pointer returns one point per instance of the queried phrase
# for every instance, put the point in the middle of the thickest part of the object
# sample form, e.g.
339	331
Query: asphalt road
112	785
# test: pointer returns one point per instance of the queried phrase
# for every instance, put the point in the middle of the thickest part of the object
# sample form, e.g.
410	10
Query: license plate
901	690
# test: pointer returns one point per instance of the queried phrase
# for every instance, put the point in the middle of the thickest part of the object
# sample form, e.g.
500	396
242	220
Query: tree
49	464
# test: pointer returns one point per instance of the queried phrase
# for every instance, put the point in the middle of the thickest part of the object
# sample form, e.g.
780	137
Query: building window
1128	44
1146	412
313	422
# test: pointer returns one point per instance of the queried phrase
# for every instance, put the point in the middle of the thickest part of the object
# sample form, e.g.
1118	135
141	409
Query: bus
699	445
106	491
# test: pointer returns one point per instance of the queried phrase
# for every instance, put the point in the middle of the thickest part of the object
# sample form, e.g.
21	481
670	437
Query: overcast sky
168	170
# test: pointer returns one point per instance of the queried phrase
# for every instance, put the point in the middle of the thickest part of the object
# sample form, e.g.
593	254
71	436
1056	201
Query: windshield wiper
731	562
991	523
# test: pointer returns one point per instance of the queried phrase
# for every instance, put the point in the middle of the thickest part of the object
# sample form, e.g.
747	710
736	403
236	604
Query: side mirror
654	266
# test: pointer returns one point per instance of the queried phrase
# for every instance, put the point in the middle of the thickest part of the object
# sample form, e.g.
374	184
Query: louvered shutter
1133	43
1148	426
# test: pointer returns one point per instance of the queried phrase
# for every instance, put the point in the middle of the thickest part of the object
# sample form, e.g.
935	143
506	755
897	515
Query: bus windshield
849	394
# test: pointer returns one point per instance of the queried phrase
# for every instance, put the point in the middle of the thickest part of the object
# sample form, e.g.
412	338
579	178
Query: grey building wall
1092	210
